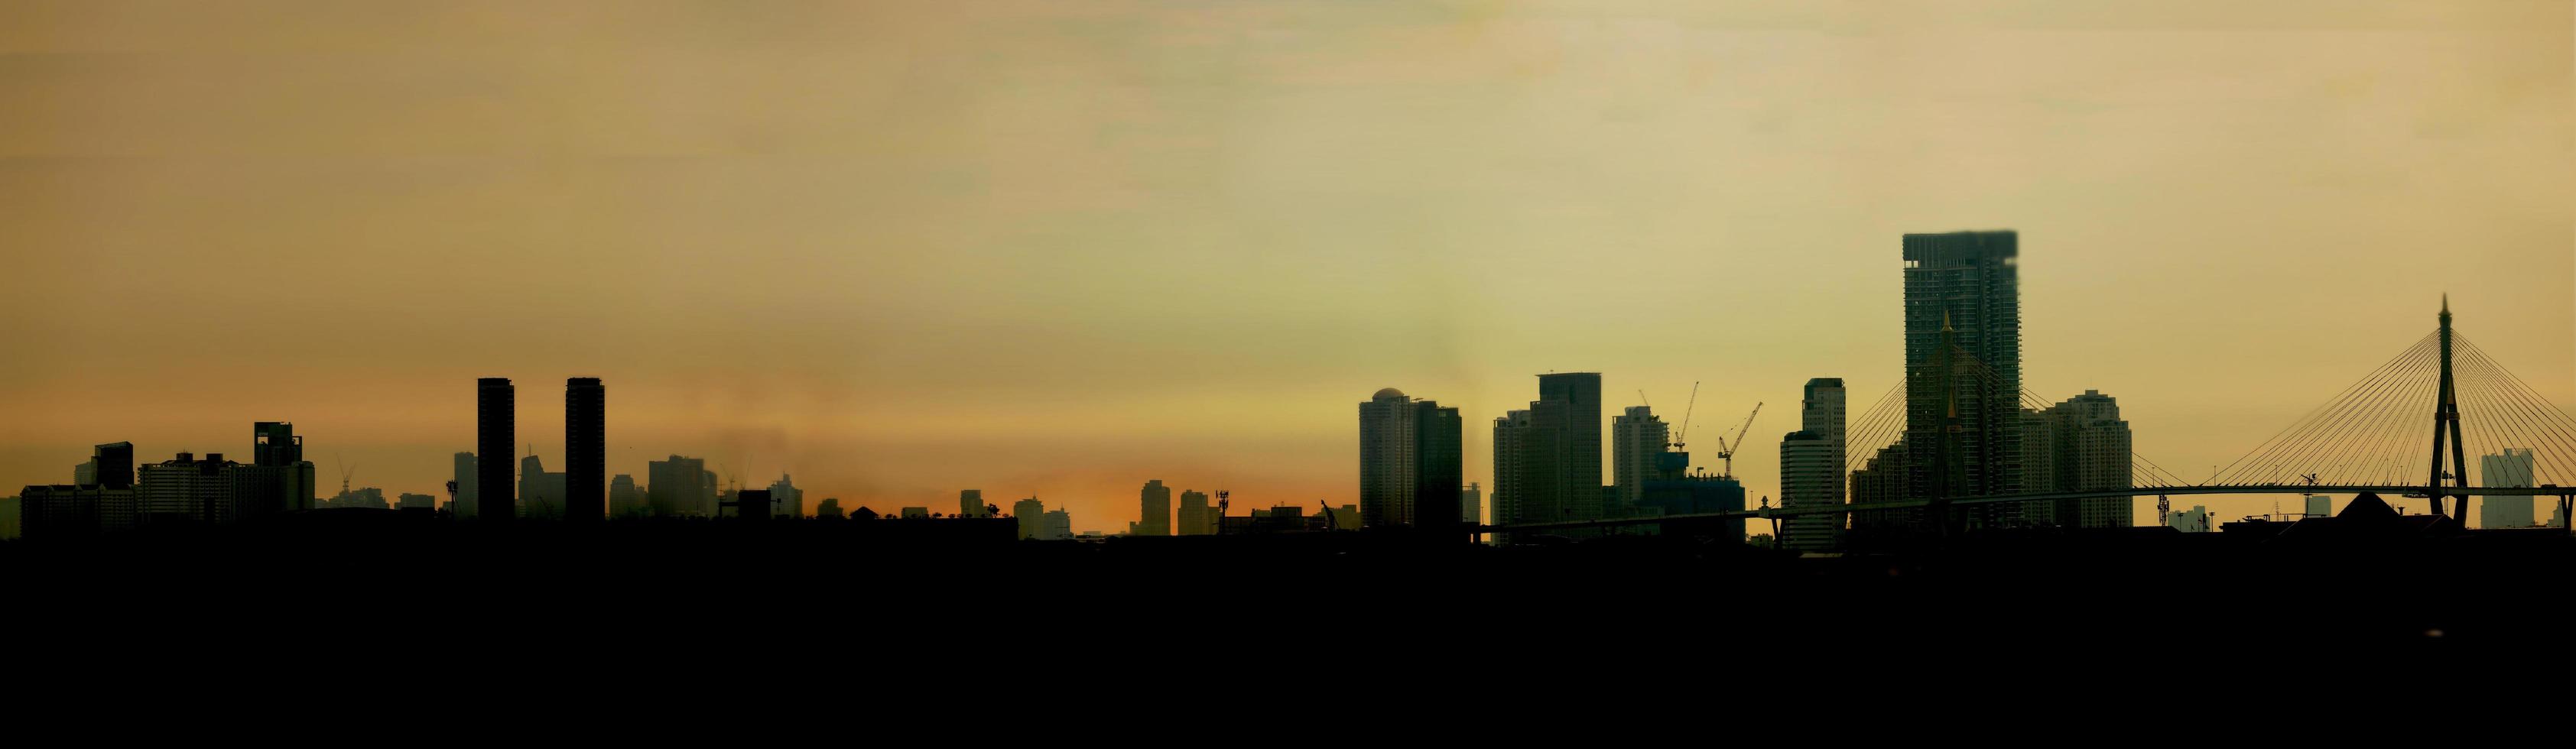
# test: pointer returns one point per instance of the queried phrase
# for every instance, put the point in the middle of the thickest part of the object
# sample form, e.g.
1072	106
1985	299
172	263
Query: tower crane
1726	449
1686	414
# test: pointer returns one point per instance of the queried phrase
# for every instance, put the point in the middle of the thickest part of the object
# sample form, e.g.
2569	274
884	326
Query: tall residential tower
585	450
495	440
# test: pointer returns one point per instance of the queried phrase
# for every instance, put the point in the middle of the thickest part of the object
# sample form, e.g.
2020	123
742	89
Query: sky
1055	249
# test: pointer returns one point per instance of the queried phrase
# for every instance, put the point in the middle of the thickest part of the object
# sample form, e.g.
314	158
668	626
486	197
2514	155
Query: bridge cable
2382	419
2293	449
2530	400
2530	425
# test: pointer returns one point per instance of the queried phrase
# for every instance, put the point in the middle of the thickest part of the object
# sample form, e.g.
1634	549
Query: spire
1945	315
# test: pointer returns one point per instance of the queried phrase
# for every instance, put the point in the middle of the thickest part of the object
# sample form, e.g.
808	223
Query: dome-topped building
1388	393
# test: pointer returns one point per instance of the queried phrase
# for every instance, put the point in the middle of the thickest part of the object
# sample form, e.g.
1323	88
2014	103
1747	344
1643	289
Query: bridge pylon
2446	421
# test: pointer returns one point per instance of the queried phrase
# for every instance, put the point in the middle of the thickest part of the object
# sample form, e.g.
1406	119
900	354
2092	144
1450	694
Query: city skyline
1715	198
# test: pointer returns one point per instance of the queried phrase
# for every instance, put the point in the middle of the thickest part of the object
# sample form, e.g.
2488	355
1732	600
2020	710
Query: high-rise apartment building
585	450
1637	438
495	439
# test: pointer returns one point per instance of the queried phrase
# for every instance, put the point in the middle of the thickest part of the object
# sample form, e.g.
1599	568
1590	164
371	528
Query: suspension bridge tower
2446	421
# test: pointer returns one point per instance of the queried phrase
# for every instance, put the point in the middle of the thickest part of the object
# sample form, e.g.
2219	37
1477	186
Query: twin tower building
585	497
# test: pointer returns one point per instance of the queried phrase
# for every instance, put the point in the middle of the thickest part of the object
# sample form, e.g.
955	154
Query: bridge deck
2132	492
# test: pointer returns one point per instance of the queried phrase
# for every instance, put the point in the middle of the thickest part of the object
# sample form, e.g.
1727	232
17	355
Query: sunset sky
899	249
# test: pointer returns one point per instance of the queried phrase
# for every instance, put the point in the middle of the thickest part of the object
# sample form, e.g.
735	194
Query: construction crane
1686	414
1726	450
345	471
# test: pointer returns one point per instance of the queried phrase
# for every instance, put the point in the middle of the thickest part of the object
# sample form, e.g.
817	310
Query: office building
1963	368
1512	451
1820	410
680	487
915	513
789	501
970	503
585	473
495	436
625	499
278	478
1410	456
541	492
2319	506
110	465
421	502
187	489
468	478
1471	504
1031	515
1154	510
830	508
1059	526
1194	517
1808	475
2513	468
1637	438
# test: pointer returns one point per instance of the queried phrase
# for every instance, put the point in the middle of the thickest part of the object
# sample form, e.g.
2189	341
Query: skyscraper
1471	504
1821	412
970	503
1809	477
1437	456
496	438
1154	510
1409	462
585	449
467	483
1963	366
1563	463
1511	466
1636	439
2512	469
1386	459
2076	445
